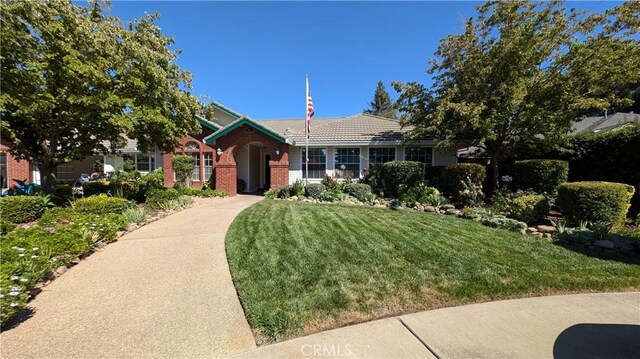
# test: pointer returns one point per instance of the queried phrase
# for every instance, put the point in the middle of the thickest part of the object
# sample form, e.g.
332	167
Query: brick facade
225	172
16	169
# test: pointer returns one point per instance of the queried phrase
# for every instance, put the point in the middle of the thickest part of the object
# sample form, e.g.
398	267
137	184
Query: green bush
285	192
6	226
314	190
272	193
503	222
542	176
20	209
96	187
156	197
241	185
595	202
209	192
529	208
105	226
396	177
62	195
183	167
373	177
454	178
420	194
101	204
360	191
135	214
297	189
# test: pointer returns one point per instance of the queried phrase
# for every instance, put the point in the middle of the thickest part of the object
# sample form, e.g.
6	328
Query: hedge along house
271	153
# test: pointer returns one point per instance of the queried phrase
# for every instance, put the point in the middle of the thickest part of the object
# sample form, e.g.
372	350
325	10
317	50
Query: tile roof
602	124
356	128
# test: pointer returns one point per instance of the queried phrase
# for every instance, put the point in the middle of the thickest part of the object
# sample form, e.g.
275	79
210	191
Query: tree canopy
76	82
381	104
523	71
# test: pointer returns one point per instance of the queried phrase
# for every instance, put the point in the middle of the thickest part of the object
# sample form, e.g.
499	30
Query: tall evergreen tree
381	104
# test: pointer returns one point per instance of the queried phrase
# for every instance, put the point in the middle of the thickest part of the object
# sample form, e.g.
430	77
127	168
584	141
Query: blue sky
252	56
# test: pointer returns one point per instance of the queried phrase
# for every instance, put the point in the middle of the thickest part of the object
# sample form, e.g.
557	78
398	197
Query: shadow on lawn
624	256
588	340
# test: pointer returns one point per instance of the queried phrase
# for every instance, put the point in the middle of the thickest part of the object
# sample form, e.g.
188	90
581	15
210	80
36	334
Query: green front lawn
301	268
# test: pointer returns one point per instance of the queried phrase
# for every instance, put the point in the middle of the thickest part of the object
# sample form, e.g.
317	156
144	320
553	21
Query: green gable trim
208	124
240	122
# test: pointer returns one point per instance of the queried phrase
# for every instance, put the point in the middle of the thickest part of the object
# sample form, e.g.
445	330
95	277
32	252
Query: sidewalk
162	291
605	325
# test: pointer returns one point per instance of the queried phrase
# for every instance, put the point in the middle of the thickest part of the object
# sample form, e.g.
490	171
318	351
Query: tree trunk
48	177
495	172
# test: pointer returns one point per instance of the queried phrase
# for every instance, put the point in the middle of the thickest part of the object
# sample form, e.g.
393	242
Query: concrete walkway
605	325
162	291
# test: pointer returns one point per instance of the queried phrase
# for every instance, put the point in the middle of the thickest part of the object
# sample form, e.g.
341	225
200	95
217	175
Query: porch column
279	174
226	176
167	169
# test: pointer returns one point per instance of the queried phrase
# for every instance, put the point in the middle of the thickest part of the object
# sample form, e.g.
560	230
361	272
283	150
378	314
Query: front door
267	172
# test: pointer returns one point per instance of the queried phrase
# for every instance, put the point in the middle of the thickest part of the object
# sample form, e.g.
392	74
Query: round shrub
158	196
20	209
96	187
285	191
542	176
360	191
454	177
314	190
420	193
396	177
595	202
101	204
183	166
529	208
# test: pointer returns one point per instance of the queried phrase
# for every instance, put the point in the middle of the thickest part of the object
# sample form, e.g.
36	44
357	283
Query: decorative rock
447	206
132	227
604	243
60	270
546	229
547	235
379	206
420	208
532	230
538	234
293	198
430	209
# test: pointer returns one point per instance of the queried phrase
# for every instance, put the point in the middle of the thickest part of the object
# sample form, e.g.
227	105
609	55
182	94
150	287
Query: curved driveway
163	290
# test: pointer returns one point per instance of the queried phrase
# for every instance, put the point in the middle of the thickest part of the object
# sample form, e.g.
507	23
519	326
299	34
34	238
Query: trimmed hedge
398	176
529	208
101	204
285	191
453	176
20	209
360	191
595	202
62	195
542	176
314	190
156	197
96	187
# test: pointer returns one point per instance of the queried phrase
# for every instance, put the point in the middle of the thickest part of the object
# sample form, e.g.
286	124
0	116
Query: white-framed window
195	176
381	155
317	163
347	162
192	146
419	154
208	165
144	162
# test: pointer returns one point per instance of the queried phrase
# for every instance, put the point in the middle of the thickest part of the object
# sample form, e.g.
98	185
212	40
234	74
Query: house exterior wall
439	158
16	169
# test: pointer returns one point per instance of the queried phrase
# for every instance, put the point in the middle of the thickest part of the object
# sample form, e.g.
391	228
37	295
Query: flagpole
306	130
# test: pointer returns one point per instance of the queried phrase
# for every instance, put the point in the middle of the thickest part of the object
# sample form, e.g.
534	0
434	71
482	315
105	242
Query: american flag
310	110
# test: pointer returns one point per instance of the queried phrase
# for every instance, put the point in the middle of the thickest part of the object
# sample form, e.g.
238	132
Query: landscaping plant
101	204
20	209
541	176
183	167
603	203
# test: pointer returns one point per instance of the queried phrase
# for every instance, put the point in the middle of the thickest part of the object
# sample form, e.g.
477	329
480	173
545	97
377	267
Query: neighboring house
601	124
268	153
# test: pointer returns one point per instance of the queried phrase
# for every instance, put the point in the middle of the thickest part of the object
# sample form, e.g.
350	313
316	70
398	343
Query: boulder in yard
546	229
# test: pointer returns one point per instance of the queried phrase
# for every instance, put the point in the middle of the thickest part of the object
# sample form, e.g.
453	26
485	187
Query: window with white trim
144	162
191	146
381	155
195	176
317	163
208	165
419	154
347	162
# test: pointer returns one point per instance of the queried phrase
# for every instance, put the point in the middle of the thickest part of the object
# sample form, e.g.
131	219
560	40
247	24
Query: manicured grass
301	268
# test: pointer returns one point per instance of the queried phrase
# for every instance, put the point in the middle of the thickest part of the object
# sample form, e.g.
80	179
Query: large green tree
76	82
382	104
521	72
